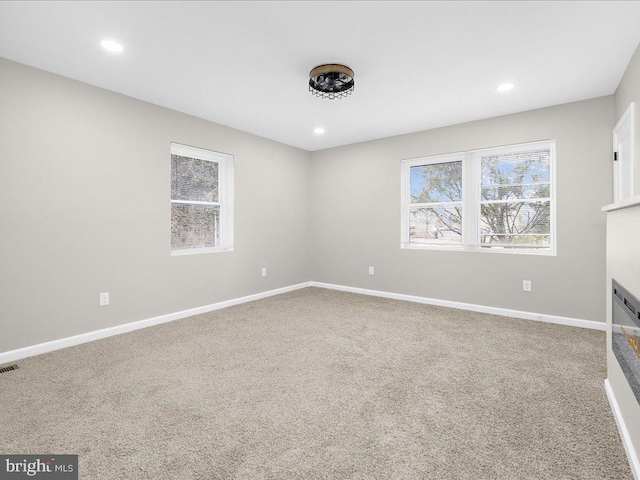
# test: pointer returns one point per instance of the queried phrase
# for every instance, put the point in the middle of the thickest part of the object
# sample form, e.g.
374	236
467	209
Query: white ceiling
418	65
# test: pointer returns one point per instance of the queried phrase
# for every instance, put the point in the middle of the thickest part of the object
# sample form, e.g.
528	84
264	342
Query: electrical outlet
371	271
104	299
526	285
264	272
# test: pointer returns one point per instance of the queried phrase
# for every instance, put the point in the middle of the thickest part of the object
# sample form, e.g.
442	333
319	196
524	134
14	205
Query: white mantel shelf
630	202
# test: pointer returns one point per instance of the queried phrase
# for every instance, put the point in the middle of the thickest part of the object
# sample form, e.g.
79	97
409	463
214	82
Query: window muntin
201	200
499	199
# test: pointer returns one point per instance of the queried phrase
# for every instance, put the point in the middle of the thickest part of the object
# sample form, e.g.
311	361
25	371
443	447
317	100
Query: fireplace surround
623	291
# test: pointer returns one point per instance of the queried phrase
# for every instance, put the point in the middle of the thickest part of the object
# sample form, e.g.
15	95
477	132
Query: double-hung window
496	199
435	201
201	200
515	197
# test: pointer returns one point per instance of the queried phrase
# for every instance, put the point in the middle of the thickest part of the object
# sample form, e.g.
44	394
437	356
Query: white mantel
630	202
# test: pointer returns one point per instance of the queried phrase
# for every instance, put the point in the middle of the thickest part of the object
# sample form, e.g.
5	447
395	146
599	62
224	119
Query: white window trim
225	196
623	168
471	202
406	194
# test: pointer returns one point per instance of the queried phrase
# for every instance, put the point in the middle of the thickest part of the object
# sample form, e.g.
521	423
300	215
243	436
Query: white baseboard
634	463
13	355
540	317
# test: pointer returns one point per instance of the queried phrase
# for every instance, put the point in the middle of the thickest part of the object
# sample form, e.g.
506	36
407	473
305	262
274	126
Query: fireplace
625	338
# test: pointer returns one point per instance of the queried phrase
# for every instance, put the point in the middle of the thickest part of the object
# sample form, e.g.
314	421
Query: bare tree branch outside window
515	203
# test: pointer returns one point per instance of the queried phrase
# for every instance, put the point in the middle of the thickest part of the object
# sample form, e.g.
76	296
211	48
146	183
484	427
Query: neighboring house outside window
498	199
201	200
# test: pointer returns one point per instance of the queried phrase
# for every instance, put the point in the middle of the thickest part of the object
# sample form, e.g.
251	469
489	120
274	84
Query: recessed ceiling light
505	87
111	46
318	130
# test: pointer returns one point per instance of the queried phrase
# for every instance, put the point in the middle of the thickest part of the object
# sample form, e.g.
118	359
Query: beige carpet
318	384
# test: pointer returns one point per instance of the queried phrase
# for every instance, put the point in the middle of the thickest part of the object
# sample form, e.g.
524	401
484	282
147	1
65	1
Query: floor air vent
8	368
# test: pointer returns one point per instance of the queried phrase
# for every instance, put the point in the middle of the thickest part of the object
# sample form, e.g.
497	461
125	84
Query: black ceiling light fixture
331	81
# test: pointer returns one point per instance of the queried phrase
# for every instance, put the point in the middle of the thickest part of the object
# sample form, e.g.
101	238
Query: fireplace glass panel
625	338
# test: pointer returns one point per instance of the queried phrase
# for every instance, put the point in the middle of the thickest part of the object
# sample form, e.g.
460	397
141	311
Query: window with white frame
496	199
201	200
435	201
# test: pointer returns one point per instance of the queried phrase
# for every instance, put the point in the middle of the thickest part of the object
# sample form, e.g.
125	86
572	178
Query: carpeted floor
319	384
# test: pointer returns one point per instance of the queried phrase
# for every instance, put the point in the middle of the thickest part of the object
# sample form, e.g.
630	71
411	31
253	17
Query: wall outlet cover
104	299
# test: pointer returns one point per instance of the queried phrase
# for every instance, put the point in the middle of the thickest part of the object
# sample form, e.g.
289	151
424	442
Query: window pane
515	224
194	226
438	182
194	179
516	192
436	225
517	175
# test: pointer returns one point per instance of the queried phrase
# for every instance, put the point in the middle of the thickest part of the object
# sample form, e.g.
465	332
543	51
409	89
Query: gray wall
85	209
629	91
355	216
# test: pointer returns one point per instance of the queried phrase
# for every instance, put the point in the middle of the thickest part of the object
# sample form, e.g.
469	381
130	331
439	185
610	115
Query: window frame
408	206
471	201
225	196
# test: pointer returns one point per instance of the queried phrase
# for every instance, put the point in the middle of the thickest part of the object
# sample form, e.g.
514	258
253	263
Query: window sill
195	251
472	249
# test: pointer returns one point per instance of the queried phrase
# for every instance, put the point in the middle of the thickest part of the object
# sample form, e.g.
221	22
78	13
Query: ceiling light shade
331	81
